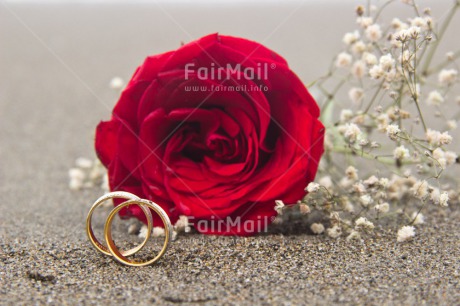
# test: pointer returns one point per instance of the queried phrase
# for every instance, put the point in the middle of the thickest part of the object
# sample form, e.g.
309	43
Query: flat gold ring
111	244
123	195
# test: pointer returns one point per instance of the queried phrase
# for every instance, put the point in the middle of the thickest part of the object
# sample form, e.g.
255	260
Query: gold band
123	195
111	244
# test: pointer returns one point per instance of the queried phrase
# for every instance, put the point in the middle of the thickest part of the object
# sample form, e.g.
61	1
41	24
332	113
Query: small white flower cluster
386	71
281	208
156	232
116	83
88	174
406	233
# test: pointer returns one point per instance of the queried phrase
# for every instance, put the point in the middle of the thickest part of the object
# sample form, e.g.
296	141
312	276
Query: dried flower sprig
394	90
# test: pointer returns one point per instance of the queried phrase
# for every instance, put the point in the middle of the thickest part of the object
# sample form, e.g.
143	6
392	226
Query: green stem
420	112
374	97
383	160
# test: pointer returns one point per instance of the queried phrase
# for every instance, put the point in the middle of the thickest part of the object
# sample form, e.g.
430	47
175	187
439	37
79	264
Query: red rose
217	130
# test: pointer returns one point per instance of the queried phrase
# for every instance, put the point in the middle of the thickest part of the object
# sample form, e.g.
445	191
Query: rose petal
106	141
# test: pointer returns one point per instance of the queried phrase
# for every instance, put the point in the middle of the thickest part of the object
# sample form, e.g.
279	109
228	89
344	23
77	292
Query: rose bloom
217	131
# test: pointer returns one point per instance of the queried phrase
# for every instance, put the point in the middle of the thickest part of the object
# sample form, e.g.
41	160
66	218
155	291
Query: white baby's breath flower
398	24
438	153
279	206
354	235
133	229
393	131
382	208
346	205
390	76
351	37
75	184
143	232
334	232
352	173
313	187
365	21
445	138
440	156
418	218
359	188
359	47
97	172
369	58
402	35
105	184
414	32
359	69
359	118
158	231
304	209
356	95
386	62
371	181
384	182
373	32
435	195
447	76
419	22
182	224
444	199
77	174
317	228
450	55
363	223
343	60
376	72
366	200
437	138
420	189
346	115
451	157
435	98
406	233
84	163
363	141
401	152
432	136
383	120
116	83
351	132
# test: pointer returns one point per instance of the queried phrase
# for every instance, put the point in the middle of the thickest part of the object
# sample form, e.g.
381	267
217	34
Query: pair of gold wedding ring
111	249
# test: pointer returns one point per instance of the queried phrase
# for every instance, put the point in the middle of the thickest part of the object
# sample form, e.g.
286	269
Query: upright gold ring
111	244
123	195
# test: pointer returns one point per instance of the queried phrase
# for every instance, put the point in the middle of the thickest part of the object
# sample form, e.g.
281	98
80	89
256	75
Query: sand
56	62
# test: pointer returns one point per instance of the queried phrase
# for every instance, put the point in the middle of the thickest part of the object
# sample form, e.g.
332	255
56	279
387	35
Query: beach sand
55	65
